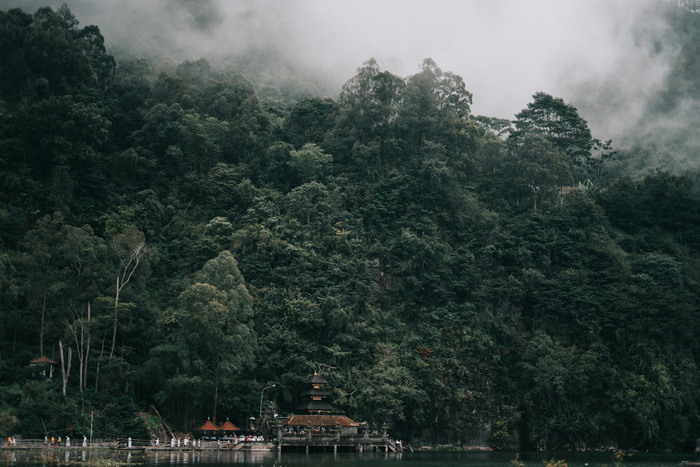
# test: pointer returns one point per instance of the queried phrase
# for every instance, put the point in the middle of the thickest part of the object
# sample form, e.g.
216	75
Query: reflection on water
106	458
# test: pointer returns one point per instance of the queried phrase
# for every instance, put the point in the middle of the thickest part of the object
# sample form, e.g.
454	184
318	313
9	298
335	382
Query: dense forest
179	236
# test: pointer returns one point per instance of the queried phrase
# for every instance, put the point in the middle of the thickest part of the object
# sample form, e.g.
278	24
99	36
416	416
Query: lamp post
261	399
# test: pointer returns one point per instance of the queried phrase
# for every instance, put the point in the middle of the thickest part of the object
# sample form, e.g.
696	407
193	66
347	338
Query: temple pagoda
314	397
315	413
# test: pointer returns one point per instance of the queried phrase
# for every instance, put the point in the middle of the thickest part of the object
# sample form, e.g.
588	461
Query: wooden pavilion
43	364
208	430
228	428
211	430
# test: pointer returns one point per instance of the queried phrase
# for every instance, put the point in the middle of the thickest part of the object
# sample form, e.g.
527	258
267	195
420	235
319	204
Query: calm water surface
53	458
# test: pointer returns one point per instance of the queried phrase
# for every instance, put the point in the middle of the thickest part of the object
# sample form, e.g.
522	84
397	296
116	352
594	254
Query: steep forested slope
185	241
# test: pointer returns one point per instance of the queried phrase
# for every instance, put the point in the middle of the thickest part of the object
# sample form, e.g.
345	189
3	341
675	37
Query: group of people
197	443
240	439
186	442
174	442
250	438
57	442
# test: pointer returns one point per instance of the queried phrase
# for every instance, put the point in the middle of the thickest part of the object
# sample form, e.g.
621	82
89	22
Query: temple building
314	397
315	413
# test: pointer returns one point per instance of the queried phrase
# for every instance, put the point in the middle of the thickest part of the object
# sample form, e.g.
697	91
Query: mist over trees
187	235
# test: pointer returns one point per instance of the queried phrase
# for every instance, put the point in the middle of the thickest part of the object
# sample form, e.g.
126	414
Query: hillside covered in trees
181	236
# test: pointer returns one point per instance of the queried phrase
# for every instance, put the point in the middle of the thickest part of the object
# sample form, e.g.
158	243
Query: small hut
228	428
209	430
43	365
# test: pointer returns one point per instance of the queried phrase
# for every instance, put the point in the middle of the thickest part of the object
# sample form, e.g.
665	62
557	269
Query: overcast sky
506	50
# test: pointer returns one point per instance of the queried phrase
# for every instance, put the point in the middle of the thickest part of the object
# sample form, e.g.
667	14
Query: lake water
50	458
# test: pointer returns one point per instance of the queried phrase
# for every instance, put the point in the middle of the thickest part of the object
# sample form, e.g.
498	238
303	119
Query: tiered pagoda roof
314	396
314	410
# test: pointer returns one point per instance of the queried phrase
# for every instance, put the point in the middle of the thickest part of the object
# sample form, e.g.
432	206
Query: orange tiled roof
228	426
320	420
208	426
42	359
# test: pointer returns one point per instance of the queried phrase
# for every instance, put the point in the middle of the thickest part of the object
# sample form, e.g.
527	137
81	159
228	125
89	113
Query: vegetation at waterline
179	237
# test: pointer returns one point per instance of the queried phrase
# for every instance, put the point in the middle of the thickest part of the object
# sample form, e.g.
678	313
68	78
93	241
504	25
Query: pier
334	442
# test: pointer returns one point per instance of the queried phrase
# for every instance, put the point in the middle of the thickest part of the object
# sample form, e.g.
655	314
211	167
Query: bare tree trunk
65	369
216	401
165	424
129	260
116	307
79	327
97	371
81	355
43	317
87	348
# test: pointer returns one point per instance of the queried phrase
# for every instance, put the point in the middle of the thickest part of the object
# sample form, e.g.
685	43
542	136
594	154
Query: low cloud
593	54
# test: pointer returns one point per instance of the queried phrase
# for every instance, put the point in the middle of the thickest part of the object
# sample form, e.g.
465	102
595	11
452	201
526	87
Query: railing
296	439
288	439
75	443
123	443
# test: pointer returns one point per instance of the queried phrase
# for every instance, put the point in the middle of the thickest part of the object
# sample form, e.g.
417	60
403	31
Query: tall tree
310	163
129	247
556	121
433	102
369	105
44	271
543	169
210	340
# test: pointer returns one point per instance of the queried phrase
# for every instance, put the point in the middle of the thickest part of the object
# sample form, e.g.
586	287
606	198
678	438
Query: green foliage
310	162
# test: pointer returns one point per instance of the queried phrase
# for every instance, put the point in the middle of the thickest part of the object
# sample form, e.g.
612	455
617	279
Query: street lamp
261	398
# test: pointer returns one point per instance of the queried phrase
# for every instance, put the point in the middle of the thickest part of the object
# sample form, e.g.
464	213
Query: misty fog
506	50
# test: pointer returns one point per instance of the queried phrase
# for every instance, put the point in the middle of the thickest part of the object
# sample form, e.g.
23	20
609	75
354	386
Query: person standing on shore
84	441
